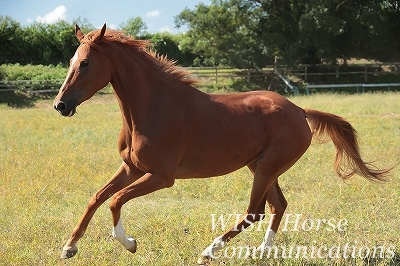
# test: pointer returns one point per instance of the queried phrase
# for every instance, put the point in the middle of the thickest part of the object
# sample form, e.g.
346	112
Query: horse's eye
84	64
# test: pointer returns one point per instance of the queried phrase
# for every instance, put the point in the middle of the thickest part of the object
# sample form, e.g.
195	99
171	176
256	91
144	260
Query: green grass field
51	165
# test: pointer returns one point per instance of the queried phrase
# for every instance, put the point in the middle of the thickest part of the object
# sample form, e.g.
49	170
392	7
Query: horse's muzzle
65	109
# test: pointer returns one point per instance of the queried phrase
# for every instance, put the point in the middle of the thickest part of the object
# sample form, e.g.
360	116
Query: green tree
222	34
134	27
392	16
62	41
314	30
169	44
40	47
10	40
38	43
252	32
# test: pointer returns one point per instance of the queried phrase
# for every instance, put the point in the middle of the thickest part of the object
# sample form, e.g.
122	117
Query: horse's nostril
61	106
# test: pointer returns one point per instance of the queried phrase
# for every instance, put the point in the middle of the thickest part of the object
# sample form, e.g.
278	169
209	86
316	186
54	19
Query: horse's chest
135	151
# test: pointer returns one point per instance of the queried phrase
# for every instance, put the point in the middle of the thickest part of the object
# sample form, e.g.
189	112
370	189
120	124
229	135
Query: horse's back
265	109
280	119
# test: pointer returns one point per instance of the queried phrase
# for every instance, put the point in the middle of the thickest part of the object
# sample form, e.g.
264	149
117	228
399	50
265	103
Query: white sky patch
110	26
153	14
59	13
166	29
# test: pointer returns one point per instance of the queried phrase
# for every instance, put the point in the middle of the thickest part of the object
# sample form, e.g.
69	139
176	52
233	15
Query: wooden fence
31	86
216	74
362	87
364	70
310	74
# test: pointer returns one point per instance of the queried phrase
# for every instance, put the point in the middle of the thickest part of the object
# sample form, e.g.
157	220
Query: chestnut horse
171	131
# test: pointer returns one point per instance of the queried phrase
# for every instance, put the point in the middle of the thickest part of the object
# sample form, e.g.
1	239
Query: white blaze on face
73	60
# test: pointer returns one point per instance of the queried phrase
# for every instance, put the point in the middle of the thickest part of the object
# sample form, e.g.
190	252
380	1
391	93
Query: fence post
365	73
337	71
305	73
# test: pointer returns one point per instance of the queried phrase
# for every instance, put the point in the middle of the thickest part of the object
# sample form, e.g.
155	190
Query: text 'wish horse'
171	131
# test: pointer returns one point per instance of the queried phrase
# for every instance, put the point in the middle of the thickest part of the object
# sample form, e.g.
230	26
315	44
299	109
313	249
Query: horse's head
89	71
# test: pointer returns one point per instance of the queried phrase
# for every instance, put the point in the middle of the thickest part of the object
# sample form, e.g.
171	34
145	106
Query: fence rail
31	86
364	70
218	74
357	86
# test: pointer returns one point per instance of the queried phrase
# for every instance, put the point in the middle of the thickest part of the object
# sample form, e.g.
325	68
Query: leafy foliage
169	44
134	27
32	72
239	32
38	43
222	34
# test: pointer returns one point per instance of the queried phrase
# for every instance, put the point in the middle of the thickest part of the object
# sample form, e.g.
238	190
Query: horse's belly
209	163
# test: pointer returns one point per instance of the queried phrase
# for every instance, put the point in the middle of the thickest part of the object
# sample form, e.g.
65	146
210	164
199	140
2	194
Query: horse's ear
78	33
100	35
103	30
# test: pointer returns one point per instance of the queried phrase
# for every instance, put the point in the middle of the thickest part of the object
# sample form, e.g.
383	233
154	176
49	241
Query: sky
158	15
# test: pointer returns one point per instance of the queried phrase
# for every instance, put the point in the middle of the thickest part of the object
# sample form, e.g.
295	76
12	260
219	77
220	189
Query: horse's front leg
148	183
122	178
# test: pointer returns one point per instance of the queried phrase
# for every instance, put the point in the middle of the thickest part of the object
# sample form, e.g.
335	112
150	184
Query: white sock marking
119	234
268	239
215	246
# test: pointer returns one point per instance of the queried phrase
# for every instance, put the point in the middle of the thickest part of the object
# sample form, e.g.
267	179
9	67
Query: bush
31	72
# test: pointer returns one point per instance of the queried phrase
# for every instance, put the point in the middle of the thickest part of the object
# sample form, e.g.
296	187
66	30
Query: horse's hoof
134	244
204	260
68	253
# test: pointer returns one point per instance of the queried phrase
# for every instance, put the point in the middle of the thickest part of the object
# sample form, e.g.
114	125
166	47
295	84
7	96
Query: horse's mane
144	47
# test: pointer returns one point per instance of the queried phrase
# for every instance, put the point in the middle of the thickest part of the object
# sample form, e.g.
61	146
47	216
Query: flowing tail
348	160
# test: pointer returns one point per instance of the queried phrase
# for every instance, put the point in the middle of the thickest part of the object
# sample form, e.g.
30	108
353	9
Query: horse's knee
278	207
276	200
283	202
281	207
115	204
93	202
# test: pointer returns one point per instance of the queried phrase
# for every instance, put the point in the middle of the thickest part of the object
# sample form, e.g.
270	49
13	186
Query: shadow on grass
394	261
19	99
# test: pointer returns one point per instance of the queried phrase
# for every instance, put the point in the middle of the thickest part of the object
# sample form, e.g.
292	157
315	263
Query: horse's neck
140	89
143	90
135	98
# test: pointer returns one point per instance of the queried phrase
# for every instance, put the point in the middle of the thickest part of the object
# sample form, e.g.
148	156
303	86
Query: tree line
55	44
238	33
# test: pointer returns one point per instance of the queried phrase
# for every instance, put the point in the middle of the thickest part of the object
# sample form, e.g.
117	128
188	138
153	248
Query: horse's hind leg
122	178
277	205
265	188
263	180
